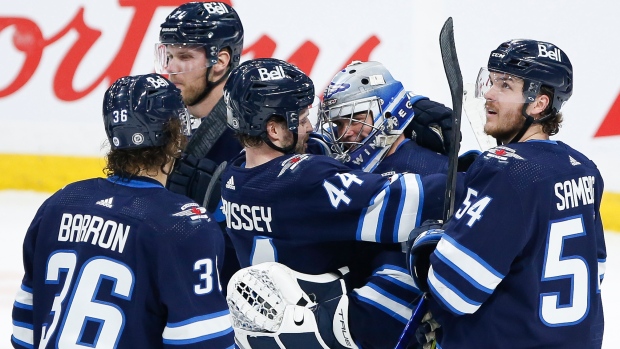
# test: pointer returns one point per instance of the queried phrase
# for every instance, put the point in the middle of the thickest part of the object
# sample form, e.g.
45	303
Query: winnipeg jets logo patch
292	163
502	153
105	202
573	161
193	211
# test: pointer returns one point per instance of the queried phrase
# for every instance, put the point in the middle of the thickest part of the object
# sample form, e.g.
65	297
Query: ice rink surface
17	208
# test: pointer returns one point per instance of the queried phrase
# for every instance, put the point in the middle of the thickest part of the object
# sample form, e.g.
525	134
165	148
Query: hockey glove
427	332
191	177
422	242
318	144
465	160
431	126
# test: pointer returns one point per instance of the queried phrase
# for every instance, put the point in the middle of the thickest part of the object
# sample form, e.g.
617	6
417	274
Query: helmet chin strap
526	125
211	84
286	150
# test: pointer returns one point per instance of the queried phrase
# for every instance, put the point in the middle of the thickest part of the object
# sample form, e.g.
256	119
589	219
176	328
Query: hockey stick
455	81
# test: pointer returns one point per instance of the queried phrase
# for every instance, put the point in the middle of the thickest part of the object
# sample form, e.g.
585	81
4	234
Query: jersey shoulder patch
502	154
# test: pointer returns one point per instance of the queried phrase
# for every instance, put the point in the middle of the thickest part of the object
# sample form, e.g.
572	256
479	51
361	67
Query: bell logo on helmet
276	74
556	54
215	7
157	83
137	138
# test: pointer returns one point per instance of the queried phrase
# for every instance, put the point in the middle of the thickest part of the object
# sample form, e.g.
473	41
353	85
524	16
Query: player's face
504	101
355	129
187	69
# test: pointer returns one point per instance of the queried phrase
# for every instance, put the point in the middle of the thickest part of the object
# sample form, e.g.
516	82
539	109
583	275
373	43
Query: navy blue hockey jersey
413	158
388	295
121	264
521	262
299	208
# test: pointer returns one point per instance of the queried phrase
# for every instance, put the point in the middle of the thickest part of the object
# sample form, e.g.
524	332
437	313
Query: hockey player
368	114
307	211
200	43
521	262
121	261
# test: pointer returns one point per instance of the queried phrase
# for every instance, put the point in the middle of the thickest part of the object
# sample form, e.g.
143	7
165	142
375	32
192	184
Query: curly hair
553	120
128	163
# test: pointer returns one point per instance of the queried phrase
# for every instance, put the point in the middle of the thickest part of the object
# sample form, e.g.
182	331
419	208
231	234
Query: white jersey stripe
23	334
372	217
389	306
458	303
24	297
409	210
197	329
401	277
468	264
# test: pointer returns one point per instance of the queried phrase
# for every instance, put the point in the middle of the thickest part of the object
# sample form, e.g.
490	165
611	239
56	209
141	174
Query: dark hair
254	141
552	120
128	162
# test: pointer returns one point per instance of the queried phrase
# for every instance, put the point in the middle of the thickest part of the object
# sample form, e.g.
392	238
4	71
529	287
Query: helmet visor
499	86
180	58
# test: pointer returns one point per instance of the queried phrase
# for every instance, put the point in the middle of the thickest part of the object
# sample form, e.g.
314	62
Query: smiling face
504	103
354	129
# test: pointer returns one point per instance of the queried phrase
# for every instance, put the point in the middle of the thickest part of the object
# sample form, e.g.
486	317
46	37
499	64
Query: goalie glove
421	243
273	306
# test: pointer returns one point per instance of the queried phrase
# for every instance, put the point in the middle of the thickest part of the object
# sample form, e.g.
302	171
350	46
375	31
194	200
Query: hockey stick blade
455	81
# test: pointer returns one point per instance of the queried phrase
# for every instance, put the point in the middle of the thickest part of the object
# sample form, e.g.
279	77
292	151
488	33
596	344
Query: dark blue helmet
260	88
137	108
539	64
214	25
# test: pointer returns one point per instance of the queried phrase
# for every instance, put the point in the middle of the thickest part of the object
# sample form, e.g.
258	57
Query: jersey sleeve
23	312
373	207
481	241
188	279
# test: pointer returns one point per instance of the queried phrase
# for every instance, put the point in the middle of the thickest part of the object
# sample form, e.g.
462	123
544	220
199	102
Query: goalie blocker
273	306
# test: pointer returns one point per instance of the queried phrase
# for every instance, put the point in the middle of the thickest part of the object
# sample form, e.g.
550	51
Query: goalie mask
363	112
137	108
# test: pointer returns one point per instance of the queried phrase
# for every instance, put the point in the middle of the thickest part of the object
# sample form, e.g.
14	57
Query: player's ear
539	105
223	59
273	131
